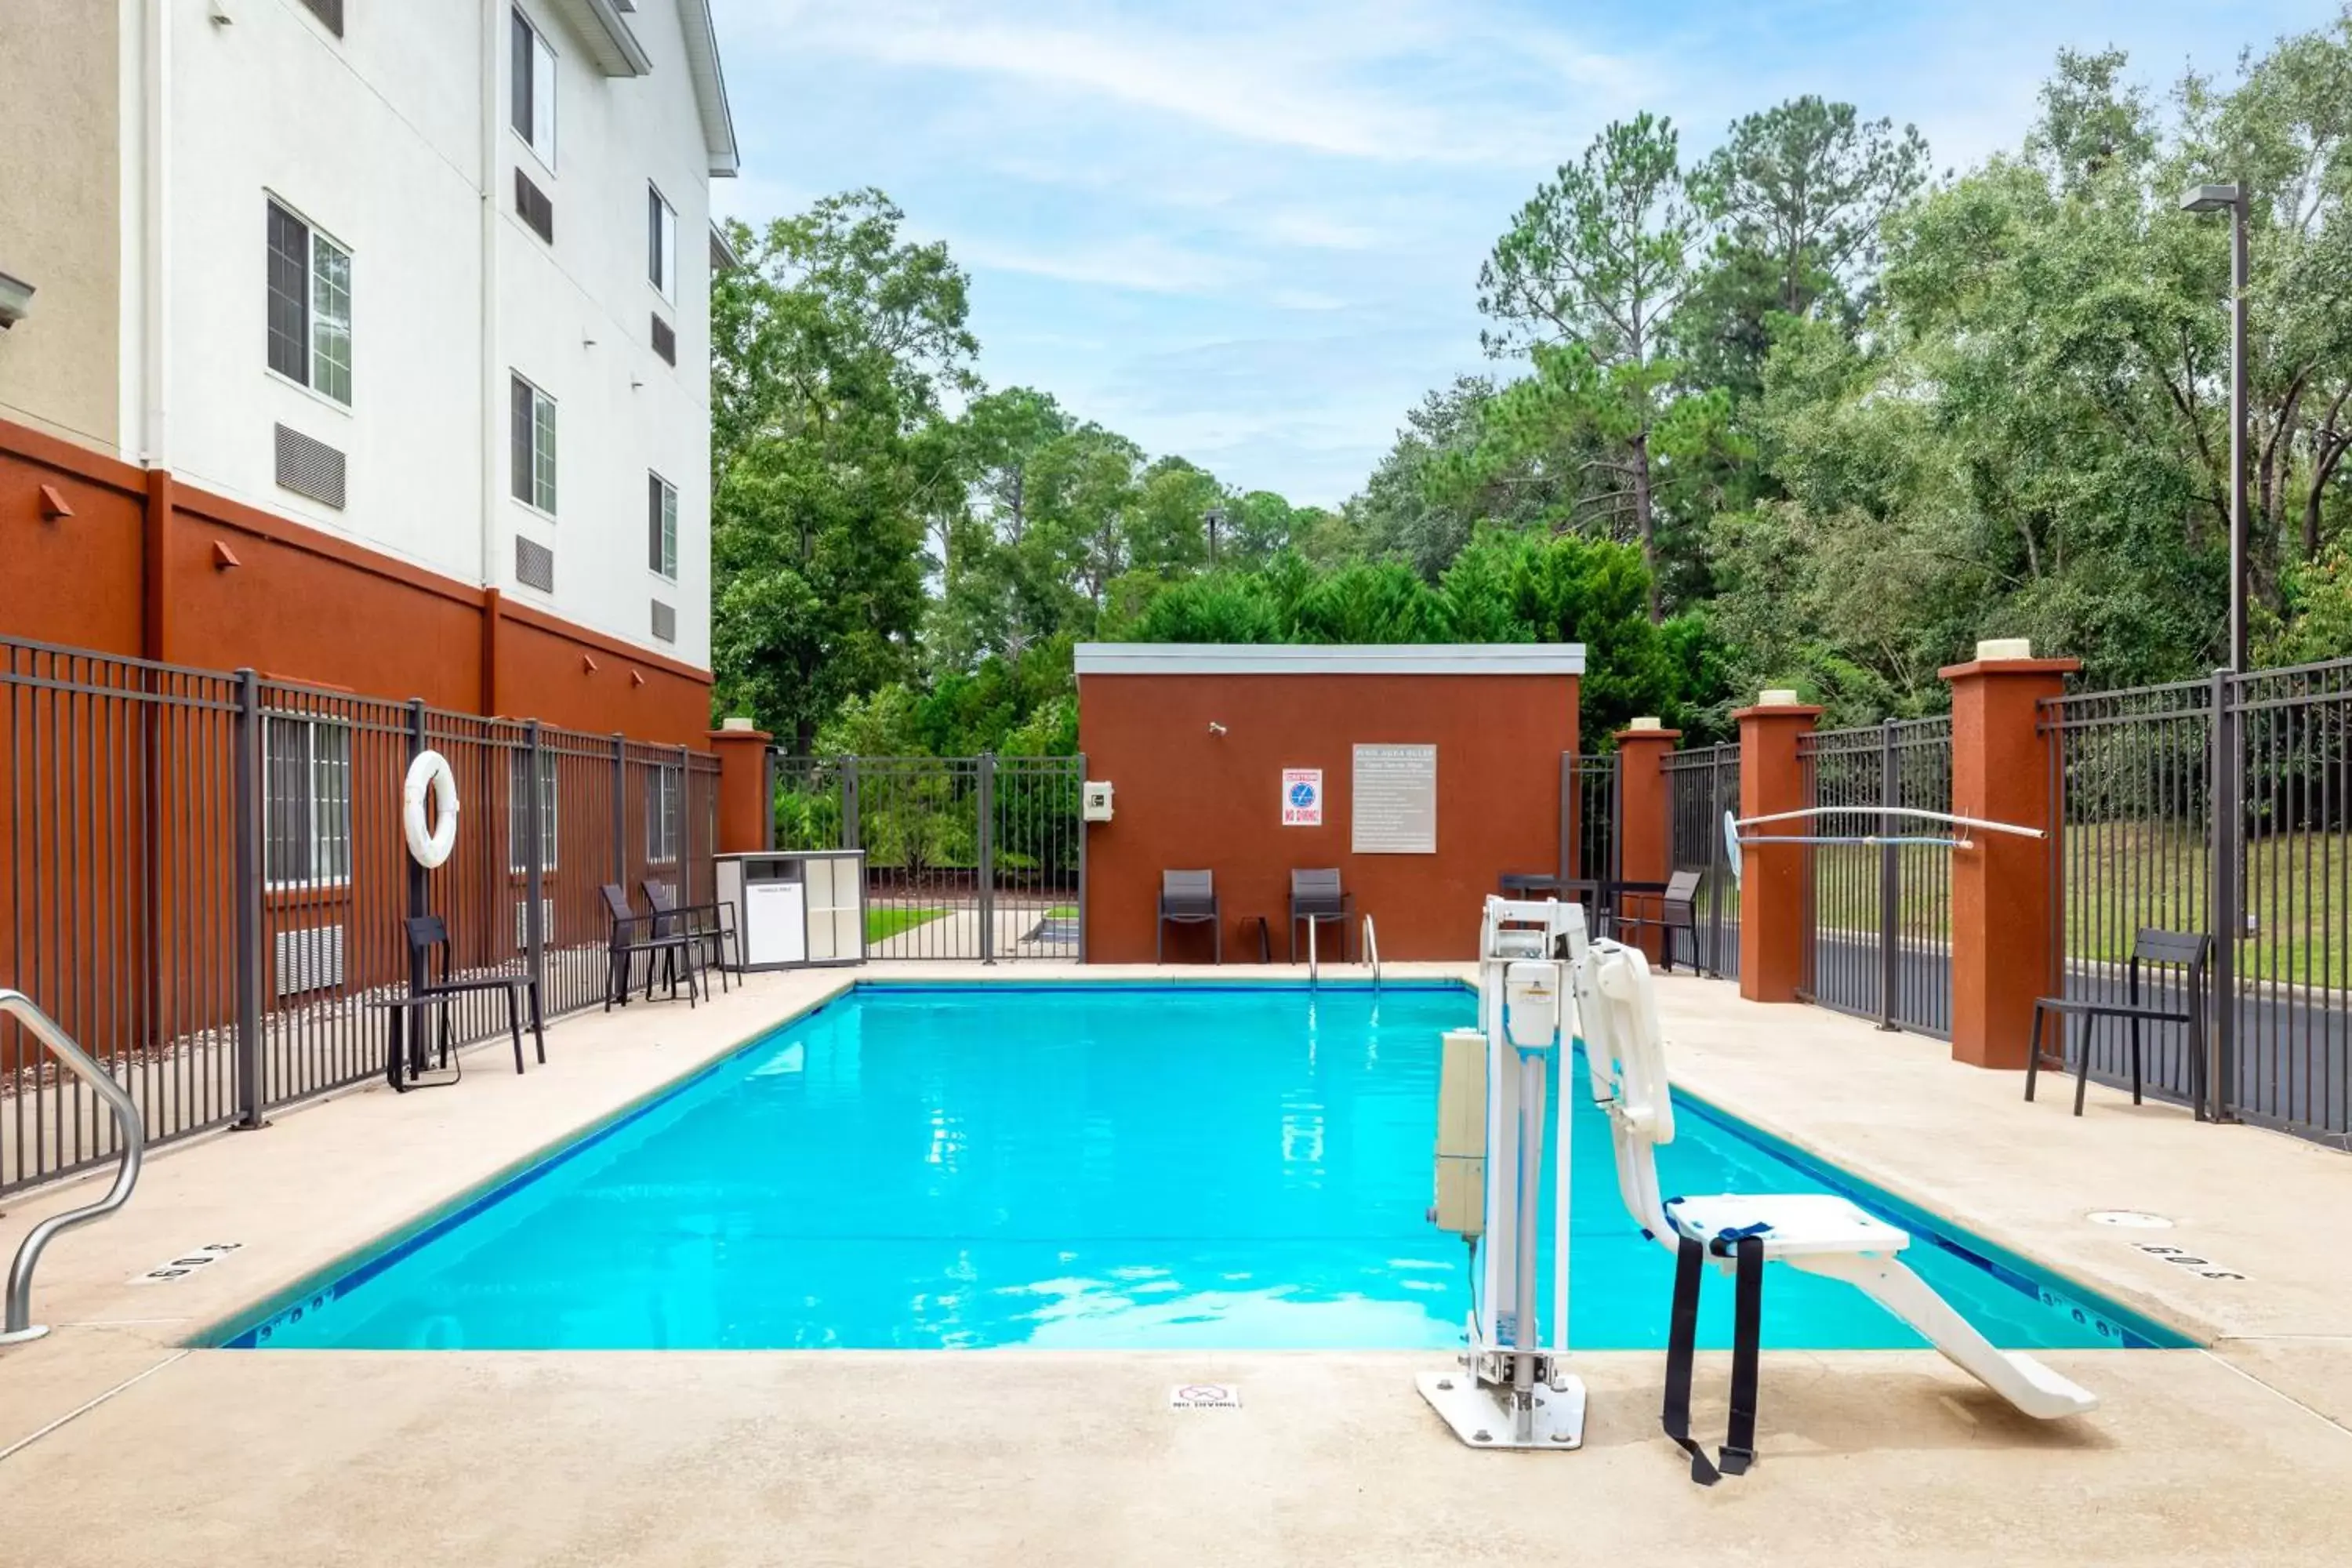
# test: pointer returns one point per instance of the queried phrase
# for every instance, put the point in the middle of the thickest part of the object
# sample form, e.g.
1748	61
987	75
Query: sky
1248	231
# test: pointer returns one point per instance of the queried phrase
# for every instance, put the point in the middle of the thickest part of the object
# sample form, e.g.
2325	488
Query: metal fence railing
1879	917
979	858
1590	807
2223	806
1702	785
206	879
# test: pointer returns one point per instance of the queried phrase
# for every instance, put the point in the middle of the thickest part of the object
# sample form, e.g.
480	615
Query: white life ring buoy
430	847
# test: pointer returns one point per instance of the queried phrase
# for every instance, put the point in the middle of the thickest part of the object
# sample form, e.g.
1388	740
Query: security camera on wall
15	300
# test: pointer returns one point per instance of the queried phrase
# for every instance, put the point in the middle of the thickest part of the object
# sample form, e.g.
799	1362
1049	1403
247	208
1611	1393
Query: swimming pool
1081	1165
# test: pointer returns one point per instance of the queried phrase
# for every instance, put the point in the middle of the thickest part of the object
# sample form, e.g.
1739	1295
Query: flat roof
1329	659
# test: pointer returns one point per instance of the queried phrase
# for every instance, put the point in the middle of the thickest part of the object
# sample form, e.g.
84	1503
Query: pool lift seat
1818	1233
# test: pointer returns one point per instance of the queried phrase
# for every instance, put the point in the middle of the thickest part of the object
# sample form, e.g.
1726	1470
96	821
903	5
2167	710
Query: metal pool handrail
1314	965
1372	952
28	1016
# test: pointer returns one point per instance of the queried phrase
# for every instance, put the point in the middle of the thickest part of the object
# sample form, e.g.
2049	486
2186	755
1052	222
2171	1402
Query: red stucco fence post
743	807
1772	876
1645	851
2005	946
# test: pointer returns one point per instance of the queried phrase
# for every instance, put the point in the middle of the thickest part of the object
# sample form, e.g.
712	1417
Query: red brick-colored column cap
2010	666
1793	710
1627	737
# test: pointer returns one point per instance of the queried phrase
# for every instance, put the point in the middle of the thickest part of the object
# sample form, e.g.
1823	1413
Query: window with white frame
519	813
661	526
665	813
533	454
661	243
306	802
530	66
309	306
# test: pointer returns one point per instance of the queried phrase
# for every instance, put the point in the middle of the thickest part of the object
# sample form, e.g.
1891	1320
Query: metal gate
1878	918
2222	805
1588	837
1702	784
977	858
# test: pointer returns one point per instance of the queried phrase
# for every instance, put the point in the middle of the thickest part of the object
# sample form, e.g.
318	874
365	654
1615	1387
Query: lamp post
2212	199
1215	519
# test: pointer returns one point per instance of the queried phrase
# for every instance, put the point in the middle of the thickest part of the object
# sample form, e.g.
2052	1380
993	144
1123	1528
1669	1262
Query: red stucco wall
1187	798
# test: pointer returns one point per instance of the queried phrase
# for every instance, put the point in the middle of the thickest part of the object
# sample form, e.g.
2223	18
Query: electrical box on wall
1095	800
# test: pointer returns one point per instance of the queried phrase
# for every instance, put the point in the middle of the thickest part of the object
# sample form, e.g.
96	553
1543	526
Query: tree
830	347
1588	278
1800	193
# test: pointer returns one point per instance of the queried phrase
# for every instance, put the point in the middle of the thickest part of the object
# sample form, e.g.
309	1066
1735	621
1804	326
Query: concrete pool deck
122	1447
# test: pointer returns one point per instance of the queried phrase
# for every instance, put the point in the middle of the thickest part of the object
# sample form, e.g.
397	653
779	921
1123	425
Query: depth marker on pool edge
1205	1396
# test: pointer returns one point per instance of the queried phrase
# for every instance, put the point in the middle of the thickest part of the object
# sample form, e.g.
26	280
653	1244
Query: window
665	810
531	67
533	458
310	307
519	812
661	243
661	526
306	802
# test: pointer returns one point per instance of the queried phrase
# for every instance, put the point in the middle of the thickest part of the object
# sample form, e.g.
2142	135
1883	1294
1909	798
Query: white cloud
1149	266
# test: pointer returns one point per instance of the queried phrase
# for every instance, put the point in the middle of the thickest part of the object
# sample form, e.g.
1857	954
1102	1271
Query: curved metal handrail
1808	813
27	1014
1314	965
1372	951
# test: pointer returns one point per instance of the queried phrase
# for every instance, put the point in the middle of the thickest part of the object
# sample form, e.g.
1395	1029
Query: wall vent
665	622
522	923
535	209
664	339
331	12
310	468
534	565
309	960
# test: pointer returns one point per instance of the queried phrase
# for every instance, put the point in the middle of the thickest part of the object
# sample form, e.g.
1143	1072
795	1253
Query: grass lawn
883	922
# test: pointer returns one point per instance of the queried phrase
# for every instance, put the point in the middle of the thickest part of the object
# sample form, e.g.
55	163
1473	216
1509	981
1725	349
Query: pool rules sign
1302	797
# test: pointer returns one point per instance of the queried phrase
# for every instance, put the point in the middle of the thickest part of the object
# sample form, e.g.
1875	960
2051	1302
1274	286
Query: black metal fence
1702	785
1878	918
206	877
1589	811
980	857
2223	806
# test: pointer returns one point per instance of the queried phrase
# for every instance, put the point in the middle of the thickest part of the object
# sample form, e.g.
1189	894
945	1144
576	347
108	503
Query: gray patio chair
1188	898
1316	897
1673	914
2193	952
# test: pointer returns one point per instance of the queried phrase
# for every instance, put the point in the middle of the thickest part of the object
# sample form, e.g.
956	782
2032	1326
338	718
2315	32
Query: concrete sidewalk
2236	1455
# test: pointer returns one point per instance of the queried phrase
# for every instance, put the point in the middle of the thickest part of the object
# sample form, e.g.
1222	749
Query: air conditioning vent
310	959
331	12
534	565
664	339
309	468
665	621
522	922
533	207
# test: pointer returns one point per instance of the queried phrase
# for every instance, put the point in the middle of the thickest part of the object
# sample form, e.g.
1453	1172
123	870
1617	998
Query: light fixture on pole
2213	199
1215	519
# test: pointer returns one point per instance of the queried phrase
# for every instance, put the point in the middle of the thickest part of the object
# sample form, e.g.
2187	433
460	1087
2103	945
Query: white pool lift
1497	1084
1820	1233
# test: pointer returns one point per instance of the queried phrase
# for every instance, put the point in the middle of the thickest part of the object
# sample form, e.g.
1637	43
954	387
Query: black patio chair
1674	914
1188	898
657	936
2193	953
429	934
1316	897
709	924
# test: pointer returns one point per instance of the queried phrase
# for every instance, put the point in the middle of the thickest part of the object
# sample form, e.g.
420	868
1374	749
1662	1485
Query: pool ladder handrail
1314	965
1372	952
20	1326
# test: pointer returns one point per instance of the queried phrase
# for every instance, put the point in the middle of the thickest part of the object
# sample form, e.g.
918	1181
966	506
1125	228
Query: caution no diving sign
1302	797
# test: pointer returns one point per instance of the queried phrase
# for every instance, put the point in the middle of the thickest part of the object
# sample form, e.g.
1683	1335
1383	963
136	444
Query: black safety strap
1747	1334
1682	1344
1747	1249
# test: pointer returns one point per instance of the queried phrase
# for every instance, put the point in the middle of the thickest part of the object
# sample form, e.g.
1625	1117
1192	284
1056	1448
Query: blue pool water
1093	1167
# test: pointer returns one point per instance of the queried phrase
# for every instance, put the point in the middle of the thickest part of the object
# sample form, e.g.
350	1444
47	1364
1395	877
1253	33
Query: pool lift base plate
1480	1414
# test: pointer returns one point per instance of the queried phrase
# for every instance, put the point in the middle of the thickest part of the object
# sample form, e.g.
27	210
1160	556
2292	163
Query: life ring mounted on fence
430	846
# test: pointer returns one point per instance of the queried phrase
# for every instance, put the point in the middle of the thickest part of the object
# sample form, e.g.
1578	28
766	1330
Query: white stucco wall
379	139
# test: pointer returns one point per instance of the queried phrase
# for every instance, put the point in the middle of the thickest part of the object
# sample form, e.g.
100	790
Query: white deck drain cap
2129	1219
1205	1396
